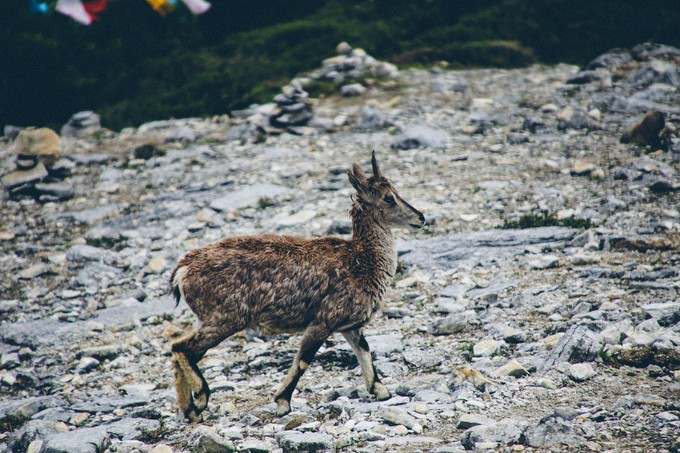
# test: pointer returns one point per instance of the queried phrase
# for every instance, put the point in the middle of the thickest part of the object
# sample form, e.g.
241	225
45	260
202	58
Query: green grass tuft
545	219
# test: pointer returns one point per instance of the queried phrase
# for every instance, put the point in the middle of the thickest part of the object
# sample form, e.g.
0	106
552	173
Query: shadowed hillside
133	65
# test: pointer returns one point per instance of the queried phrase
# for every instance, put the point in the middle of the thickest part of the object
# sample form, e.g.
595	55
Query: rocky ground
564	335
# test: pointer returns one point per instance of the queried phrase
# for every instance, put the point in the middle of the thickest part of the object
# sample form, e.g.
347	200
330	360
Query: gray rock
583	77
649	50
295	441
257	446
578	344
551	432
372	119
579	120
612	58
420	136
131	427
656	71
181	134
18	178
248	196
455	323
505	432
384	345
240	133
52	332
397	416
108	352
87	364
15	412
92	158
469	420
84	440
512	368
544	262
458	250
35	271
83	253
9	360
663	185
665	313
208	441
54	191
353	89
81	124
581	372
488	347
11	132
29	432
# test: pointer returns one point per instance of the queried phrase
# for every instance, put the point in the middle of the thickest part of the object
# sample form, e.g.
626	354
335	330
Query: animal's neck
374	244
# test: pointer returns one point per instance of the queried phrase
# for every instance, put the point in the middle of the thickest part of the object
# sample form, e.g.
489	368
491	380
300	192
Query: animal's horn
376	169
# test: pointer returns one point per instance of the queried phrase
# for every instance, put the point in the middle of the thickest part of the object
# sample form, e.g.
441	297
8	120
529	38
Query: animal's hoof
283	407
193	414
380	391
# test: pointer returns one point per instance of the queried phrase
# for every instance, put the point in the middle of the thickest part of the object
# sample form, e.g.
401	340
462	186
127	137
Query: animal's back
277	283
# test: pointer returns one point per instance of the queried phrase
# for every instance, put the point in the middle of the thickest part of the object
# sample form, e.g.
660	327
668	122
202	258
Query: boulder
505	432
578	344
295	441
41	143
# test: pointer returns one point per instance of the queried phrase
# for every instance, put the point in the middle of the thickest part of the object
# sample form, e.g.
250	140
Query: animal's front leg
311	342
357	341
192	389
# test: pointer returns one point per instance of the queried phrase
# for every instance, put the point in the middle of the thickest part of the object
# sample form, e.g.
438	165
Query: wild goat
289	284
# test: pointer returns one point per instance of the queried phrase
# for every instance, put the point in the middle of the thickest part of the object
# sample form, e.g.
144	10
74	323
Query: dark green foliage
545	219
264	203
505	54
607	358
134	66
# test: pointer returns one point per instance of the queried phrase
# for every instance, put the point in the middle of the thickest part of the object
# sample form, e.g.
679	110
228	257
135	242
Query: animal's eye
389	199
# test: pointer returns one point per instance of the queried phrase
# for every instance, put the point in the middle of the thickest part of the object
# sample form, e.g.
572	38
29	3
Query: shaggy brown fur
290	284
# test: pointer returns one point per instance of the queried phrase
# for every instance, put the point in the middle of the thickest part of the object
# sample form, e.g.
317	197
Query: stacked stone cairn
350	65
81	124
292	109
38	171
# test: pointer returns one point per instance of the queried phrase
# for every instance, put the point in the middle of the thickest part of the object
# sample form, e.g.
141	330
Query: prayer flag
83	11
197	6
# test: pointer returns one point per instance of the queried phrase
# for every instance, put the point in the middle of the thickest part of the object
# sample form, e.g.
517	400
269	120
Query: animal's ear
376	170
358	179
359	173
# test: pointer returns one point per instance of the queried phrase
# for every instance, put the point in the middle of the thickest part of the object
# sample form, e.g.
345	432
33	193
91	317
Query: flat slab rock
457	250
248	196
295	441
50	331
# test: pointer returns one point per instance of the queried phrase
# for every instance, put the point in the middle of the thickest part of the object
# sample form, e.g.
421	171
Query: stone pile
293	108
352	64
81	124
38	172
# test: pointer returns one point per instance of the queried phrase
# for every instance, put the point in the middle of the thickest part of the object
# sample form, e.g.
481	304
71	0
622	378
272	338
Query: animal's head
378	193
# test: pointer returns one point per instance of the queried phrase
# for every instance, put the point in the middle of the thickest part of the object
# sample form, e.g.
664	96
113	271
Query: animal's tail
176	281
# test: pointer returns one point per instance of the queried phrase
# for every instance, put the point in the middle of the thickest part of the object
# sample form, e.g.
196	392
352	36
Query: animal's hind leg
359	345
192	389
311	342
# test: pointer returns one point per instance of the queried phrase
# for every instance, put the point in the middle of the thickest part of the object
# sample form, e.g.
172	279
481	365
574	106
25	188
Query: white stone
581	372
486	348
